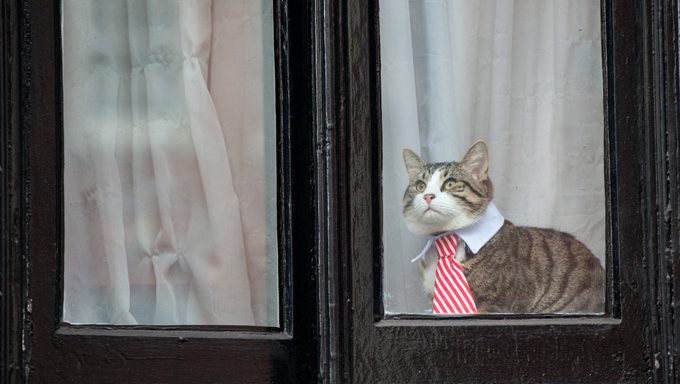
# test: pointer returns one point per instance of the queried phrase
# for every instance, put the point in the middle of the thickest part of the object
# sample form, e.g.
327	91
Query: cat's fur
520	269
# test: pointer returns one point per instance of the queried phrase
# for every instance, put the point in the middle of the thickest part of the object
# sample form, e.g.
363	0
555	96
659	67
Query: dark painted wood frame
11	263
634	341
329	111
36	346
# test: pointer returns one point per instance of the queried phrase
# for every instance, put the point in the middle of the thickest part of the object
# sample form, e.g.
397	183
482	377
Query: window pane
526	78
169	162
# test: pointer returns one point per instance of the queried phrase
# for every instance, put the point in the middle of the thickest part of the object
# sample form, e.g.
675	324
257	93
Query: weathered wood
56	353
661	113
11	269
329	142
622	345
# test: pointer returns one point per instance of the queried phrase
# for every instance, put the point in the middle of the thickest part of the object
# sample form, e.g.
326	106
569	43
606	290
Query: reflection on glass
169	162
525	78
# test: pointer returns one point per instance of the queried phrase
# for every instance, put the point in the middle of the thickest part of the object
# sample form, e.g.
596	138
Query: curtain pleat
154	224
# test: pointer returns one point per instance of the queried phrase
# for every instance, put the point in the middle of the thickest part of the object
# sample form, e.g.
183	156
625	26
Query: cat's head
444	197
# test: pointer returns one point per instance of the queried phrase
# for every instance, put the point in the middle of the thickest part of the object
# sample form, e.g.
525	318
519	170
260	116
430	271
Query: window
514	348
169	166
57	351
526	79
333	325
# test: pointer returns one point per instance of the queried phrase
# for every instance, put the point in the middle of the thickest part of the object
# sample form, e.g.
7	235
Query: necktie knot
446	245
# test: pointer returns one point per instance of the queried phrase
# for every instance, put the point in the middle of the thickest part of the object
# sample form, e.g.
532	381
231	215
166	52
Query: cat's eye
452	185
420	186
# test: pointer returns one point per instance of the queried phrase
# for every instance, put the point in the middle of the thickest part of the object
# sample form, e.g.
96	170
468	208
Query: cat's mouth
431	211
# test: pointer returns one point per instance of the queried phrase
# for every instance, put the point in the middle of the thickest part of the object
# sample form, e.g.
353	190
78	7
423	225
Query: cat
519	269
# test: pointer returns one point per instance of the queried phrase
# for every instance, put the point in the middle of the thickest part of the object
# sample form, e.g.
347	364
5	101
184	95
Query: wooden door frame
335	122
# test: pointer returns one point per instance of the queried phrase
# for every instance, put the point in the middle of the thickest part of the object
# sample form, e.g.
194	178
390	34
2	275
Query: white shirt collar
476	234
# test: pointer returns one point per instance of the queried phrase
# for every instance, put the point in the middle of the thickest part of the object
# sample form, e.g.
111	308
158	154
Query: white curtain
524	75
169	178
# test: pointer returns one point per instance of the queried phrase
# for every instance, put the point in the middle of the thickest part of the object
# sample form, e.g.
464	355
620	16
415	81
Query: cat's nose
428	197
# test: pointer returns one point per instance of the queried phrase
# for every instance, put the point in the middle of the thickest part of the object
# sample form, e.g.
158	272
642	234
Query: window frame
328	103
40	347
633	341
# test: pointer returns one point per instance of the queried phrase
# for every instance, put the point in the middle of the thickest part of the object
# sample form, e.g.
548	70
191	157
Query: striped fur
521	269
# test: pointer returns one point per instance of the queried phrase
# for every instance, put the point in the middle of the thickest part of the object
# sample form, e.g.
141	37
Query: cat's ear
476	161
414	164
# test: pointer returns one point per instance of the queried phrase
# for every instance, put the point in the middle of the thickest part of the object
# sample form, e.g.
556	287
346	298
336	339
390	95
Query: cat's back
536	270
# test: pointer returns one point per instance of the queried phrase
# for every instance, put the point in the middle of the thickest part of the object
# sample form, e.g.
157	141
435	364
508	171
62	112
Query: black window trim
640	69
338	332
37	347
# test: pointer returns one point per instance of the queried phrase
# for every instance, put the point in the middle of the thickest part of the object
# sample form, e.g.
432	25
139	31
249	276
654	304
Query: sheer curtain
524	75
169	162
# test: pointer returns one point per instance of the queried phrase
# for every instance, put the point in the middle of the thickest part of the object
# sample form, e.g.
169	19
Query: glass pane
525	77
169	162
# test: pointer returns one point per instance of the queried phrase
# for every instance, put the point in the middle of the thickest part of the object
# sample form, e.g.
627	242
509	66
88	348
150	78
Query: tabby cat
519	269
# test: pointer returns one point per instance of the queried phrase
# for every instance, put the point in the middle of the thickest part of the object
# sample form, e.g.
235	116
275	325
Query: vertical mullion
662	133
661	181
308	323
649	190
341	337
673	149
325	131
321	146
11	271
665	86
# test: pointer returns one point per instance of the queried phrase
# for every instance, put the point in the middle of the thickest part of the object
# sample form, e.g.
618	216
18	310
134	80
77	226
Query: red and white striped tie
451	291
